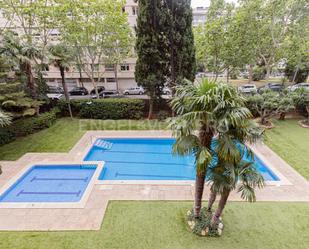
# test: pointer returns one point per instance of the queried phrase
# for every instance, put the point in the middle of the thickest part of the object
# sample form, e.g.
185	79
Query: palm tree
231	172
5	119
214	110
23	54
61	57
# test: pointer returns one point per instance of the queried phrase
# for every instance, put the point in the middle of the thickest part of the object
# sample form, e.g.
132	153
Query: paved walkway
293	188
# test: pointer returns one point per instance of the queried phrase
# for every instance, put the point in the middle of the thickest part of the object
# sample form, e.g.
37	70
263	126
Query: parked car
298	86
134	90
108	94
100	89
166	90
247	88
79	91
55	92
276	87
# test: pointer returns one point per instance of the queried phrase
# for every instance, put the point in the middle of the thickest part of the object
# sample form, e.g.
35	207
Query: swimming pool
50	183
148	159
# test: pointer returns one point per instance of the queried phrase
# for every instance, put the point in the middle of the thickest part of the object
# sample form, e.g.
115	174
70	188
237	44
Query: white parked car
134	90
248	88
298	86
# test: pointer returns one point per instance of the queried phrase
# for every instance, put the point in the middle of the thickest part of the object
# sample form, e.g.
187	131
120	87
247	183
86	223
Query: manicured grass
62	136
154	225
291	143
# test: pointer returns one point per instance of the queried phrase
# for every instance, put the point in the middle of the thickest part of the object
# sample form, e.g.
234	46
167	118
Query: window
109	67
134	10
110	80
124	67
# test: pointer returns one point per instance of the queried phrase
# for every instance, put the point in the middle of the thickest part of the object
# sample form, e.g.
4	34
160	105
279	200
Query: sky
204	3
200	3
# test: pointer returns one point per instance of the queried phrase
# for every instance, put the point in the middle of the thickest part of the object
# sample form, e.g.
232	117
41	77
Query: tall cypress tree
151	47
181	41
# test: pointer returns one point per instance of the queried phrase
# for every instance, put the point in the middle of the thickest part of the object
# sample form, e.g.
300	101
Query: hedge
26	126
106	108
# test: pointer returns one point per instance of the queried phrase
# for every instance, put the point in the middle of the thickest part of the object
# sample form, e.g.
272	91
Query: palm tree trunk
65	89
221	206
30	80
205	136
199	190
211	200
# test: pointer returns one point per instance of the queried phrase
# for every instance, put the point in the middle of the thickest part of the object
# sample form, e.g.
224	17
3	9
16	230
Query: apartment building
199	15
125	71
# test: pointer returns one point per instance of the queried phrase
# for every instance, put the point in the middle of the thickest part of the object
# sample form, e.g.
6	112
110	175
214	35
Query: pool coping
80	204
168	134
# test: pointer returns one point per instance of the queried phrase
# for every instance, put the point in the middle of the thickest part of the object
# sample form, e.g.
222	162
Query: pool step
105	145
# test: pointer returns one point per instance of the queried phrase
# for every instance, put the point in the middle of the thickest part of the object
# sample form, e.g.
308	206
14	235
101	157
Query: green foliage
265	105
14	100
151	48
106	108
258	73
178	30
162	115
6	137
26	126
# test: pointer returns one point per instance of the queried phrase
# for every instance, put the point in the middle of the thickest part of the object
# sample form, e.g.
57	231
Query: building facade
125	71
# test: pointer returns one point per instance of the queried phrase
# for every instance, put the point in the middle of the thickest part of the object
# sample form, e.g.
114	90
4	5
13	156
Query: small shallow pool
148	159
50	183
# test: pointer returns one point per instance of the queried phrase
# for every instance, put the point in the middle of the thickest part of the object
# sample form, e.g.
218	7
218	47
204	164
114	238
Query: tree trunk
65	89
211	200
221	205
95	87
80	75
307	109
268	69
150	111
250	76
282	116
30	80
199	190
205	137
116	76
227	75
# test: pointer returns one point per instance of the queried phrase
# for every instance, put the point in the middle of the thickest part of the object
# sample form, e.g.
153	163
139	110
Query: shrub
258	73
162	115
6	137
106	108
23	127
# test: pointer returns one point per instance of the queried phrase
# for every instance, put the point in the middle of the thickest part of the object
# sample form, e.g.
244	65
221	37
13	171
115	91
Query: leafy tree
265	105
151	48
61	57
92	28
286	104
302	100
21	55
214	110
179	33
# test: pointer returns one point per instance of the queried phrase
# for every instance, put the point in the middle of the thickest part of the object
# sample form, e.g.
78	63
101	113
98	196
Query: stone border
303	125
79	204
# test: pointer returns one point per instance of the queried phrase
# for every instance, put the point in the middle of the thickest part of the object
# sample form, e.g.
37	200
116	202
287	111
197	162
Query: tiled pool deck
293	187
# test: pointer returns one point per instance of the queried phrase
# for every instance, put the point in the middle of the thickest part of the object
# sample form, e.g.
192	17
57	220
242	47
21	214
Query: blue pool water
59	183
150	159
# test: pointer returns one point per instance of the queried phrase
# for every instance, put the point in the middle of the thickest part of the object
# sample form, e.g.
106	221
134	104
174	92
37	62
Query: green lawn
291	142
160	225
62	136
